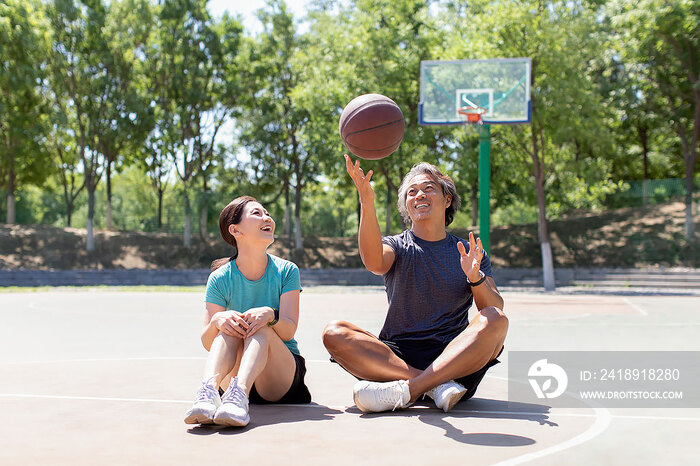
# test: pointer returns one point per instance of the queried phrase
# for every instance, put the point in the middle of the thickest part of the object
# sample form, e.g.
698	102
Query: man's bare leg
364	355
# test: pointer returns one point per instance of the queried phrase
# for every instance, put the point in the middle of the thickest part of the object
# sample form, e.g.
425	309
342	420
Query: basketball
372	126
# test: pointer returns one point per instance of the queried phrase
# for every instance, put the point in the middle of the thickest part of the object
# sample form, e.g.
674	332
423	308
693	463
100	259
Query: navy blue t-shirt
429	295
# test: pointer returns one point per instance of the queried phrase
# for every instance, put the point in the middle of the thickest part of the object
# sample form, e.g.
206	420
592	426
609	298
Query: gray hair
448	189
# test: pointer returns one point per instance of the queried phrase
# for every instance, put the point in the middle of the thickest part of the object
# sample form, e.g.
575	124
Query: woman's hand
360	179
231	323
257	317
471	261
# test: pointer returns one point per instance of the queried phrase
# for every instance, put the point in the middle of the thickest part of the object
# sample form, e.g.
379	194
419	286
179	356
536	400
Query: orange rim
473	114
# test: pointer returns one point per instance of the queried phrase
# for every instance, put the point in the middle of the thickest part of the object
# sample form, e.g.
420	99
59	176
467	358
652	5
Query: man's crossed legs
371	360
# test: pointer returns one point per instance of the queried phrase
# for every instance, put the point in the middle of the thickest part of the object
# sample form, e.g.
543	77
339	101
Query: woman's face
255	225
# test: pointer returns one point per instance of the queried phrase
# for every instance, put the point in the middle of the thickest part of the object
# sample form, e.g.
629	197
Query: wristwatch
276	319
479	281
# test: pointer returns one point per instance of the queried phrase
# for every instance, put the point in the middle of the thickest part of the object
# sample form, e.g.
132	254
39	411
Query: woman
252	311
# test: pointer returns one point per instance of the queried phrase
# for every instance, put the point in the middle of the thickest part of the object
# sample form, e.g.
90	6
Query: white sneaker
373	397
447	395
234	407
205	404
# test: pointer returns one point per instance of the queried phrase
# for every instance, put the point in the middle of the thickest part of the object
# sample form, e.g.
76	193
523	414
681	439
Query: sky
247	9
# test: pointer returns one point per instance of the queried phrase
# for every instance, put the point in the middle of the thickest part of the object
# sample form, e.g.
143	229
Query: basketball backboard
501	86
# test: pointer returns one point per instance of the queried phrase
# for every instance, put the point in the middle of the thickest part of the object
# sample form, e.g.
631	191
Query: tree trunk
10	208
204	213
90	240
298	243
187	233
159	221
690	159
11	196
644	139
287	214
689	202
109	195
689	155
545	247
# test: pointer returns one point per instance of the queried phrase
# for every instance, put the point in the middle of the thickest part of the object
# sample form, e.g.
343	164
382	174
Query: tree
80	63
23	50
190	61
127	115
63	144
565	135
662	37
373	47
273	123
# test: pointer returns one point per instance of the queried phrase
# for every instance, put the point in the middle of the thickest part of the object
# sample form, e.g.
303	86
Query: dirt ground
631	237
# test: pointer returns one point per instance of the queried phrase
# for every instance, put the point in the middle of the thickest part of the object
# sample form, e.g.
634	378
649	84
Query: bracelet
478	282
276	319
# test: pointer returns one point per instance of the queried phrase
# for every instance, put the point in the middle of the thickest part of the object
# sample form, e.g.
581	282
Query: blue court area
93	376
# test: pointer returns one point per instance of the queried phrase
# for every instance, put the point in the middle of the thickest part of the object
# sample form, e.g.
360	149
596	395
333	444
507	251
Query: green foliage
191	111
23	47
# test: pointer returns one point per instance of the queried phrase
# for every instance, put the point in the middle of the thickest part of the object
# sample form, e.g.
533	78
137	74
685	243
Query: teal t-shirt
228	287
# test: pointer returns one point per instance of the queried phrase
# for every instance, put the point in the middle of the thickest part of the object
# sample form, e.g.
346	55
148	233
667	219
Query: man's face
425	200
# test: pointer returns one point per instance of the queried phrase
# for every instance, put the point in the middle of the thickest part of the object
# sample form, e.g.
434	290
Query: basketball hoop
473	114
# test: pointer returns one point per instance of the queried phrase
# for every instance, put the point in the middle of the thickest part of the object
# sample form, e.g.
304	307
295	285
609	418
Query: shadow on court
265	415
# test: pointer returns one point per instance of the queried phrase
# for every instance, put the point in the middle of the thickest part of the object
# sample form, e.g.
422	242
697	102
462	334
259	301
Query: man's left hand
471	261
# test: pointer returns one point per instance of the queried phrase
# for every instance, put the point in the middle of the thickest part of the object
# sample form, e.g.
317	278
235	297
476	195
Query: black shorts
298	393
421	356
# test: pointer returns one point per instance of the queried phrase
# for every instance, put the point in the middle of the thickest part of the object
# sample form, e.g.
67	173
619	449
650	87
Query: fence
644	192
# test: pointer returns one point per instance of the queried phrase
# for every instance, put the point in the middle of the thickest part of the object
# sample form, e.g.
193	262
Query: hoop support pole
485	186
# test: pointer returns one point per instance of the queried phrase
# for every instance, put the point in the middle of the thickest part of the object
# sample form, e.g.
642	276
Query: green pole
484	185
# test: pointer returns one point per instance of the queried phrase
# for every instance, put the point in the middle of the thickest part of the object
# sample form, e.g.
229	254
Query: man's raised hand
471	261
361	180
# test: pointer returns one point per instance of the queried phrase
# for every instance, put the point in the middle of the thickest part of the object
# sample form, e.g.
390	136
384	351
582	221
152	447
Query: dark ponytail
231	215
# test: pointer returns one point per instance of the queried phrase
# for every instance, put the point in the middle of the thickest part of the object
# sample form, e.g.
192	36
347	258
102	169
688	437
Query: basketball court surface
97	376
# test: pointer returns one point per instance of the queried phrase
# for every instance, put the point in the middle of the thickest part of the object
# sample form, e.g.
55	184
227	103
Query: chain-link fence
645	192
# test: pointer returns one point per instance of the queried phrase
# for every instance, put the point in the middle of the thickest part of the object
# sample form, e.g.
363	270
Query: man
427	344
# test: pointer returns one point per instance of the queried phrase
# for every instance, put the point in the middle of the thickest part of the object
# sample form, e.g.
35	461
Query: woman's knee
229	340
264	333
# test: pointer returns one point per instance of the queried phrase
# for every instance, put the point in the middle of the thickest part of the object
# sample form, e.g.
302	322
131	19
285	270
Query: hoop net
472	114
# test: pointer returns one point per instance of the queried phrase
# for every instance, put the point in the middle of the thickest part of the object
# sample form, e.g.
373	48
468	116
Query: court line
150	358
601	423
635	307
343	408
608	324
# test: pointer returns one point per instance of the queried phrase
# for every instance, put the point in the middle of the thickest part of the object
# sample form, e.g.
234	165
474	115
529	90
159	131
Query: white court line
635	307
343	408
607	324
154	358
601	423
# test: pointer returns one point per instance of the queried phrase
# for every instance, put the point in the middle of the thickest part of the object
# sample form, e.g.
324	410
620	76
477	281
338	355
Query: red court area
100	376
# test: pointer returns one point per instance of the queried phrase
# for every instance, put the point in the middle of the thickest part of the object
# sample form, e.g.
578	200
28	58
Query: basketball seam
372	150
373	127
